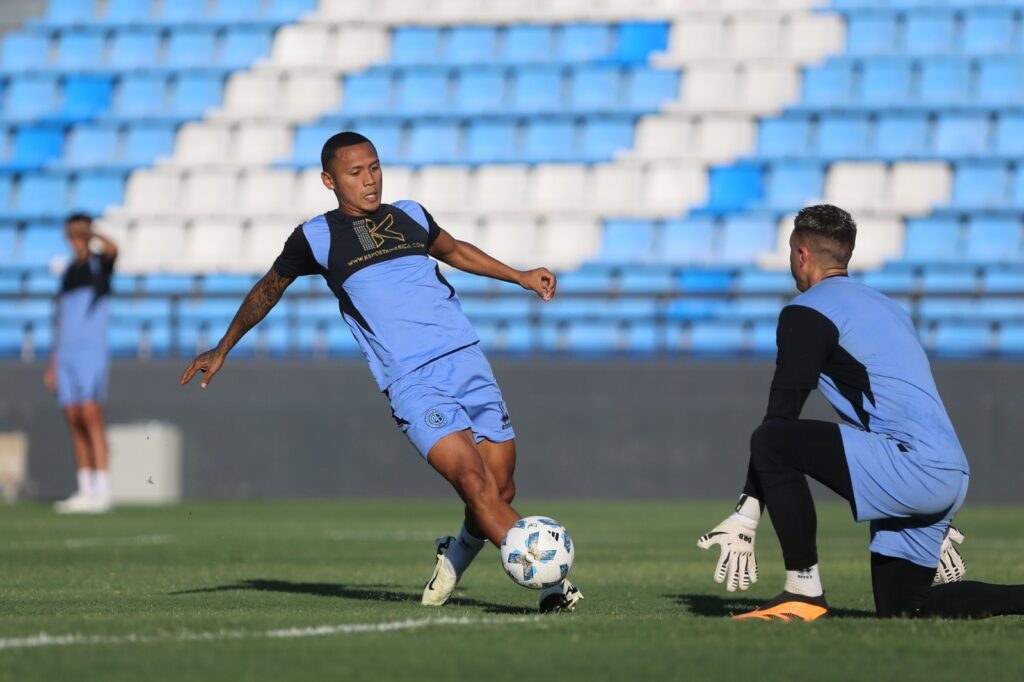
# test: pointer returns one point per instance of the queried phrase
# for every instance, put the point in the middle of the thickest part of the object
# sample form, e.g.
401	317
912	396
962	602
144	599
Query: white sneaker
82	504
439	590
561	597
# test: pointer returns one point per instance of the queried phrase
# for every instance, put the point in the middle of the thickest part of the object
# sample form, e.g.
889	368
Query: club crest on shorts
435	419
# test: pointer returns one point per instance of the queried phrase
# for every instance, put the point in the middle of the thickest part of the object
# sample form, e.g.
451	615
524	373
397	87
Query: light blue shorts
81	376
909	502
453	393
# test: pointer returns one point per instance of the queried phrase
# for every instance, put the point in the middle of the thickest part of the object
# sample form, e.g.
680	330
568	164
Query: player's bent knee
764	447
508	493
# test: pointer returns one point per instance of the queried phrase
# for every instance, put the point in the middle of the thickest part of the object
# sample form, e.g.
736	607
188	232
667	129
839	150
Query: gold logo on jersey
373	235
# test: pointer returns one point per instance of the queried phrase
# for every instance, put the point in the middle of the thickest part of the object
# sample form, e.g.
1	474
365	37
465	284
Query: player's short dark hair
78	218
340	141
829	229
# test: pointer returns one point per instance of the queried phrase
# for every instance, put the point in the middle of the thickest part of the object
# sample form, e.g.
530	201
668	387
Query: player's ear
327	180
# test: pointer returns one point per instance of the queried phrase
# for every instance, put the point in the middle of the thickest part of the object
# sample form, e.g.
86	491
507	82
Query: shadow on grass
356	592
713	606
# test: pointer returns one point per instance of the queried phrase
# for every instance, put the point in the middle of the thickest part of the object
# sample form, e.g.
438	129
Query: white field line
44	639
83	543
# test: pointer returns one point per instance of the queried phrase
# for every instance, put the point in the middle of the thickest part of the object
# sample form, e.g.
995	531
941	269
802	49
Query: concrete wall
586	429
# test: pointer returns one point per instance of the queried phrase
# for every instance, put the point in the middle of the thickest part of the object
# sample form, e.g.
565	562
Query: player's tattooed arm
469	258
261	298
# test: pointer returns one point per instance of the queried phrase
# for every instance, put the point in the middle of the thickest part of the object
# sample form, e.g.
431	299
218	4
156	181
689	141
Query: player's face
78	233
798	264
356	180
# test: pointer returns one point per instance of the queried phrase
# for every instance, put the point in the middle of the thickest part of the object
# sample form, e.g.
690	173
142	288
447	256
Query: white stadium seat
214	244
566	241
917	187
510	239
201	144
264	241
554	186
209	192
311	197
444	188
156	244
501	188
617	188
152	192
260	143
266	191
399	183
857	186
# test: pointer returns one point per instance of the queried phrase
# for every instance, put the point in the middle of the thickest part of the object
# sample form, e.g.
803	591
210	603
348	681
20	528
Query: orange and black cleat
788	607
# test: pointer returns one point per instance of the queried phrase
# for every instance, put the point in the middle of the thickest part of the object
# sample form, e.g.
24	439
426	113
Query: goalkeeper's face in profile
353	174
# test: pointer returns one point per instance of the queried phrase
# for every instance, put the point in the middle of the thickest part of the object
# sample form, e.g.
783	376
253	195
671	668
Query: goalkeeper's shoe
788	607
562	596
439	590
952	566
737	566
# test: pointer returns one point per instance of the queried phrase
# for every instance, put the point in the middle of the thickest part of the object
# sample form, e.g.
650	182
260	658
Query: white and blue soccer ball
537	552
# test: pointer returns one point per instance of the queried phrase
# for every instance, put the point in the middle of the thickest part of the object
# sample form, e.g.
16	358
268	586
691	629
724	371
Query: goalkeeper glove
952	566
737	567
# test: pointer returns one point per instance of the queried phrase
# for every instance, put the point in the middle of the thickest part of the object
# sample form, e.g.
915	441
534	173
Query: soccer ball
537	552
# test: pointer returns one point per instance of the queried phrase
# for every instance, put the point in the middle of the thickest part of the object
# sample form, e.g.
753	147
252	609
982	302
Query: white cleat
82	504
560	597
442	584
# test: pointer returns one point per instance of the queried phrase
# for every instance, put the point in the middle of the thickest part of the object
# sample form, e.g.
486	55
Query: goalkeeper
896	457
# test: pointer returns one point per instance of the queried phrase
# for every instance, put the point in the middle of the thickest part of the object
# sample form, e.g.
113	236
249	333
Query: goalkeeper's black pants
783	453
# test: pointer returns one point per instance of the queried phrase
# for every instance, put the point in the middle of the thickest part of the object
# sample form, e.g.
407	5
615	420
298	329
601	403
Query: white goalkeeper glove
737	567
952	566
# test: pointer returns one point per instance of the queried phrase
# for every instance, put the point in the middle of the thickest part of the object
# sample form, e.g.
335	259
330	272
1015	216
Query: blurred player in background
79	360
896	457
422	350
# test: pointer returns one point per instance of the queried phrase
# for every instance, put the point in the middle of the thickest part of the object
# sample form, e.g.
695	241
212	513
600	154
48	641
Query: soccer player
79	361
895	457
422	351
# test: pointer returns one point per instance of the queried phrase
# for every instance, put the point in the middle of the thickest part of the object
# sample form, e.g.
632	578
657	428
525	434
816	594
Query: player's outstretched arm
261	298
468	258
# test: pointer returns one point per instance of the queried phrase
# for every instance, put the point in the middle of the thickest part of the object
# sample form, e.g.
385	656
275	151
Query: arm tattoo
261	298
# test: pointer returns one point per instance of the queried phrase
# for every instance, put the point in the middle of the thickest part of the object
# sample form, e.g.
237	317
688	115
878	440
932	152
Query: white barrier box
145	463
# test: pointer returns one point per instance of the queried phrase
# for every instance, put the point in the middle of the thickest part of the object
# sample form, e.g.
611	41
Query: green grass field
330	590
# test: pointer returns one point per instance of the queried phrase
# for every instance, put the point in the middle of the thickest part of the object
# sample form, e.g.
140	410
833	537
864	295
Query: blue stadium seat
244	45
30	98
994	240
745	237
40	244
843	137
340	341
1011	339
627	241
181	12
42	196
78	49
901	136
583	42
784	137
945	281
1009	140
929	32
644	280
687	240
289	10
766	282
717	338
892	281
871	33
593	337
84	97
415	45
595	88
43	283
1017	190
705	280
190	48
127	12
140	97
885	83
753	308
791	184
12	339
932	239
988	31
980	185
830	84
34	311
491	142
5	194
125	338
735	187
422	92
195	94
499	308
602	138
648	89
764	338
132	49
549	140
24	52
479	91
145	142
999	81
367	92
526	44
585	281
1000	280
643	337
690	308
140	310
960	135
8	254
946	82
433	142
537	89
96	192
34	146
386	136
309	141
236	11
958	339
635	41
471	45
91	146
167	284
68	12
